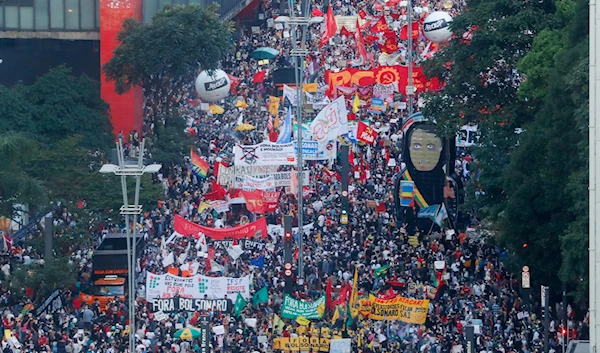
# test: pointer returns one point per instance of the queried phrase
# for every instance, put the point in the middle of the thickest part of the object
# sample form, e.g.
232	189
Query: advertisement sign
411	311
256	229
265	153
198	286
315	151
292	308
190	304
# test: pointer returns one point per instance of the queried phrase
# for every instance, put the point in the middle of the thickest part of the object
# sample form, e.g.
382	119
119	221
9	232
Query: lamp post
410	88
136	170
594	180
299	52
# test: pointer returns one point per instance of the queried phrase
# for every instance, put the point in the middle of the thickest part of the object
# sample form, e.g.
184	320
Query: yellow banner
412	311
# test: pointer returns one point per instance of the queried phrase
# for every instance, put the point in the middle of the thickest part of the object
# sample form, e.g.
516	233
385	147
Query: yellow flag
355	104
310	87
301	320
203	206
354	304
278	324
274	108
241	104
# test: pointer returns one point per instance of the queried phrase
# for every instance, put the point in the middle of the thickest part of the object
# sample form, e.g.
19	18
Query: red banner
384	75
254	229
365	133
259	201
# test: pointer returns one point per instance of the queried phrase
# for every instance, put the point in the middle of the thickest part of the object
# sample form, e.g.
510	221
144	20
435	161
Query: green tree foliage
42	279
164	55
172	144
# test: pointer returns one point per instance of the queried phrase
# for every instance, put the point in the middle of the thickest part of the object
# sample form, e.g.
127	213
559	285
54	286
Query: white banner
317	99
315	151
280	179
331	122
219	206
277	230
255	183
265	153
227	175
167	286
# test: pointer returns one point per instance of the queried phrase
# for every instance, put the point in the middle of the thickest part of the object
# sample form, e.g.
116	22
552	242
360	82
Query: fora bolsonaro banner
265	153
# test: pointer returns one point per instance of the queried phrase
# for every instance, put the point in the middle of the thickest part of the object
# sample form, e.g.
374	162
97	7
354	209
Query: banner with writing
315	151
169	286
411	311
276	230
168	305
292	308
246	244
265	153
280	179
260	201
257	229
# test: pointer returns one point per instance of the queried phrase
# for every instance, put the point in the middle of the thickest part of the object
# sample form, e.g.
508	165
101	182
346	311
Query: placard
169	286
264	153
190	304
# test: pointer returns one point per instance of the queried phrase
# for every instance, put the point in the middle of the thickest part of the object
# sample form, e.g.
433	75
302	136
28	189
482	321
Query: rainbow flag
199	165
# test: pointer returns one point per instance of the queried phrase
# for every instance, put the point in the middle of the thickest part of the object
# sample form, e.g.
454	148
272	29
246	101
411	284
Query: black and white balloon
437	26
213	86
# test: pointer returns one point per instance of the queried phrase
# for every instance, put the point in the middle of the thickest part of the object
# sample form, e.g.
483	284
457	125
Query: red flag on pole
360	43
330	26
380	26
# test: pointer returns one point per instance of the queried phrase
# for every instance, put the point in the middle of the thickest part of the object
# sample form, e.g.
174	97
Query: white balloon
213	86
437	26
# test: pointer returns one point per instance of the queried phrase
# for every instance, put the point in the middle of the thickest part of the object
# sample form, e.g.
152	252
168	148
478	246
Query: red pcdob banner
255	229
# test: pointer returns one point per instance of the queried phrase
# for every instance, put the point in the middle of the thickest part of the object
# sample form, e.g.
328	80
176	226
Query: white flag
201	244
235	251
331	122
240	119
291	94
215	267
169	260
442	214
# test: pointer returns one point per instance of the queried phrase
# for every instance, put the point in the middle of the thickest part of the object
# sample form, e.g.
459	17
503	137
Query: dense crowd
477	289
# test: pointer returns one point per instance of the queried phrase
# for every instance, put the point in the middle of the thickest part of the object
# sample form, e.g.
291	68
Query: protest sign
292	308
169	286
250	230
191	304
412	311
264	153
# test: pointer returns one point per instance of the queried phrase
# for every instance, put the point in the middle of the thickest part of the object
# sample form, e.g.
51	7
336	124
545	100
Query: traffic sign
287	273
345	193
526	280
525	269
288	266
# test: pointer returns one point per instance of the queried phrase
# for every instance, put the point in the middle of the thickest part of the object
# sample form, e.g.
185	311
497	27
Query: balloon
437	26
212	86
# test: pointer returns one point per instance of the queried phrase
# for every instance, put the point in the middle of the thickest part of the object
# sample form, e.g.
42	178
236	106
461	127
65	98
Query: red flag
362	14
345	32
259	77
390	46
328	291
380	207
351	157
317	13
380	26
365	133
395	16
81	204
330	26
360	43
235	81
415	31
370	39
218	193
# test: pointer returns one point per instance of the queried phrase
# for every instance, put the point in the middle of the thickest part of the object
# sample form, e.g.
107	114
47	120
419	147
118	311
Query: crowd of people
477	289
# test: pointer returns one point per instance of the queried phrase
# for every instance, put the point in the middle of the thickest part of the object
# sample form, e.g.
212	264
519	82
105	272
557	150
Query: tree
171	144
43	279
63	105
164	55
17	186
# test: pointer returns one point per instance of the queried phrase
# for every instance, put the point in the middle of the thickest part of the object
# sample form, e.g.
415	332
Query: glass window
72	20
149	8
194	1
180	2
57	14
1	16
87	14
97	13
26	13
41	14
12	17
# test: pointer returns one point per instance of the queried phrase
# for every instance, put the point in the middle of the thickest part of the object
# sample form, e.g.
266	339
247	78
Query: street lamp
136	170
299	52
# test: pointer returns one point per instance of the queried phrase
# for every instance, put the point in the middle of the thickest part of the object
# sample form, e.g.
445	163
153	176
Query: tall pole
130	269
546	306
594	150
299	53
409	60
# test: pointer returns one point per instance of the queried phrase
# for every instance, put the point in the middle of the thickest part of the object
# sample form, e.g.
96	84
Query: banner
376	105
317	99
261	202
276	230
291	95
246	244
220	206
301	343
315	151
191	304
292	308
51	304
265	153
255	229
383	75
204	326
411	311
250	183
341	345
280	179
365	133
331	122
198	286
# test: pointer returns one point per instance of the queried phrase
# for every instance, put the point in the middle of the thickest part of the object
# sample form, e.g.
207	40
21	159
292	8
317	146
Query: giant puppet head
424	147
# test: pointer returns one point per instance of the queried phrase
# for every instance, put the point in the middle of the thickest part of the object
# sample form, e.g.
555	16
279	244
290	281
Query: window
26	13
57	14
87	14
42	17
72	14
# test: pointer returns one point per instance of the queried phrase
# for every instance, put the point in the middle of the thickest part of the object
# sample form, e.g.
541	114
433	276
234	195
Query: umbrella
188	333
264	53
244	127
215	109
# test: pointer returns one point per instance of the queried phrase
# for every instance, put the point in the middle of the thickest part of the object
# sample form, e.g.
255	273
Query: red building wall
126	110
